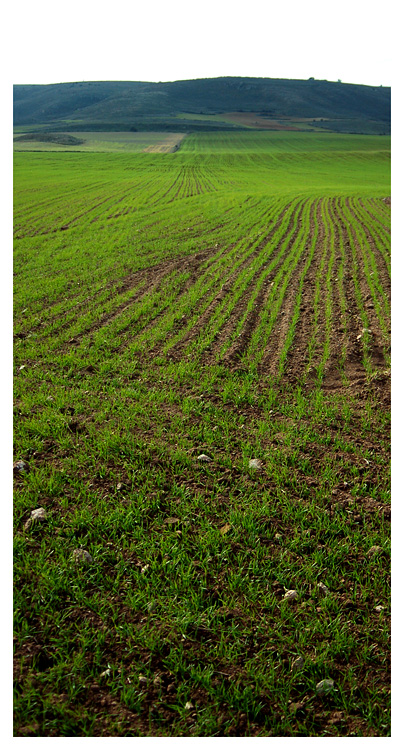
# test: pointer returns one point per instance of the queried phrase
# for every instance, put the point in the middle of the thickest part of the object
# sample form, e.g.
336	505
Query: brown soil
254	120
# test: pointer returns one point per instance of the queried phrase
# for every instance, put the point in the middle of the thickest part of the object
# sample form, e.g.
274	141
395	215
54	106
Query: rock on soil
374	551
255	463
204	457
37	515
171	521
322	588
325	687
298	663
20	467
81	556
290	595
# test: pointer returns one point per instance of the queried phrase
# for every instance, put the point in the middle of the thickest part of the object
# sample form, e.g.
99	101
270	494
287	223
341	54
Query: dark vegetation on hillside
121	105
62	139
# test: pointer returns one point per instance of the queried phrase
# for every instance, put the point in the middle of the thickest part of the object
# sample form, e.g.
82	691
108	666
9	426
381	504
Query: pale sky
79	40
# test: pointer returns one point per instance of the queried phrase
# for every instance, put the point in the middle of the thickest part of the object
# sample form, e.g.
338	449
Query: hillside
203	104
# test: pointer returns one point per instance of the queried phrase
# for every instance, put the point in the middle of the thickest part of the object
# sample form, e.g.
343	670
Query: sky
166	41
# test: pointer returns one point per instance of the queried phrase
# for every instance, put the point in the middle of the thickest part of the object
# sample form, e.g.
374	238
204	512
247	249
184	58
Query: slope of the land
202	439
147	106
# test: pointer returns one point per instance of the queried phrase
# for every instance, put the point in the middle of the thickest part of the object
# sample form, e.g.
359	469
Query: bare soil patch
167	145
255	120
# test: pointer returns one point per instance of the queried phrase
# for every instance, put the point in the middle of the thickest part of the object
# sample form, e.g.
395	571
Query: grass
203	302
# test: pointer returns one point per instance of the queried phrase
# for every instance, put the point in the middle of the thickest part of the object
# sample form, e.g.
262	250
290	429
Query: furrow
267	347
300	352
246	325
375	284
358	363
222	299
378	241
329	369
223	259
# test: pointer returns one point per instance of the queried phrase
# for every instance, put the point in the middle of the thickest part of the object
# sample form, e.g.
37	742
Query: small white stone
142	679
379	608
106	673
189	705
325	687
290	595
20	467
323	589
204	457
39	514
376	550
255	463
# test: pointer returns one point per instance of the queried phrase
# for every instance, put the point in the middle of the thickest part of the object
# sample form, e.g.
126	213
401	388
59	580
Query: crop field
257	121
202	439
104	142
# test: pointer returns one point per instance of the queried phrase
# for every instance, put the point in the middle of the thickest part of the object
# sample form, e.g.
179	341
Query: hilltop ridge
204	104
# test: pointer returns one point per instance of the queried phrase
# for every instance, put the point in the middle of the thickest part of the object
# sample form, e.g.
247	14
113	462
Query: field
100	141
256	120
202	411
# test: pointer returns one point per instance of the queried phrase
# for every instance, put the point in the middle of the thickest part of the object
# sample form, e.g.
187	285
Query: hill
203	104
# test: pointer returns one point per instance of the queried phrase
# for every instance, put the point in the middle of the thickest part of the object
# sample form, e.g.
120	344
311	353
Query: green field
177	316
103	142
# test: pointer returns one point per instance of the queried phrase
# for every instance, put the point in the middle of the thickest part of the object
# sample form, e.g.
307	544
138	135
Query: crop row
296	287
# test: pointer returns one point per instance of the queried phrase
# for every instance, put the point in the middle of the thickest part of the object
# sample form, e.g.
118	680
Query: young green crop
207	303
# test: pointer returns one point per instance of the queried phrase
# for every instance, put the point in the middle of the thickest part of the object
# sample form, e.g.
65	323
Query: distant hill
207	103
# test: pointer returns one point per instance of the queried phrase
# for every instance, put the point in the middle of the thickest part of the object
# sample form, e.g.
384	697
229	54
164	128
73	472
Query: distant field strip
107	142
